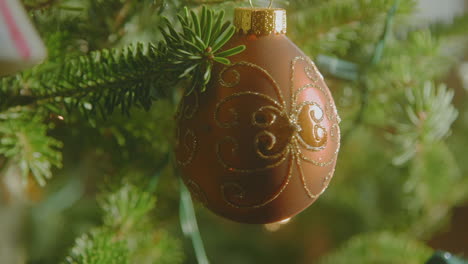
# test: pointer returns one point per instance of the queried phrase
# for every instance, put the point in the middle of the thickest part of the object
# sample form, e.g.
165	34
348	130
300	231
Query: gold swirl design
280	157
235	120
335	132
190	143
311	70
190	112
222	78
318	140
301	174
262	118
325	182
237	80
294	121
234	193
189	140
266	140
186	110
314	75
196	191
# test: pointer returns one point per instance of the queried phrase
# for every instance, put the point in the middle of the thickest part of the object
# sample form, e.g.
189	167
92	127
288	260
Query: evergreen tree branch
133	76
376	58
428	115
339	24
379	248
456	28
198	45
39	5
24	139
99	247
126	233
100	81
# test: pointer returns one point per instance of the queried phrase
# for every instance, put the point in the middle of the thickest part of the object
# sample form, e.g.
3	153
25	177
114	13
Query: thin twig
122	14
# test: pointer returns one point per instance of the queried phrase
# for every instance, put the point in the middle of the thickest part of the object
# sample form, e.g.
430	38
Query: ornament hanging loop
269	6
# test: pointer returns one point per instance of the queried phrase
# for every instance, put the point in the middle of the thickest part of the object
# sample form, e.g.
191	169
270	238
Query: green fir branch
406	64
198	45
380	248
433	186
458	27
375	59
100	247
337	12
336	26
96	83
125	208
136	75
428	118
24	140
127	234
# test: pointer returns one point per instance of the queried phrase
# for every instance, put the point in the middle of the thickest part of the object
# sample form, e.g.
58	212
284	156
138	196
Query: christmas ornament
261	143
20	45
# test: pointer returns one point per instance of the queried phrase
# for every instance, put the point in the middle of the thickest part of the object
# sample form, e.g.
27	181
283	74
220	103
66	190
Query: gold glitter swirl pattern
335	132
222	77
189	144
265	116
196	191
234	193
311	70
315	77
185	110
190	112
302	125
233	145
311	111
263	73
233	113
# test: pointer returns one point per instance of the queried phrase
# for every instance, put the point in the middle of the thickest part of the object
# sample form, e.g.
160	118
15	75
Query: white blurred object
439	10
20	45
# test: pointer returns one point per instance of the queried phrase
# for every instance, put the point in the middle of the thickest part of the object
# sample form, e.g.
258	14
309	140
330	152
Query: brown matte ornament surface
261	143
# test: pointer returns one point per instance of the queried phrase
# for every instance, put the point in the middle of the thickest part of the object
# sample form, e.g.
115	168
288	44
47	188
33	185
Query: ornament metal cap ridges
260	21
261	143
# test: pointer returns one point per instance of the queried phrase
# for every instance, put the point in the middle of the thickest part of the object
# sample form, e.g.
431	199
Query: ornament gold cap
260	21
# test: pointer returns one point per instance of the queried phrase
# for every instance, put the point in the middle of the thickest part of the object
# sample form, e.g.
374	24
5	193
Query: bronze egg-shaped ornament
261	143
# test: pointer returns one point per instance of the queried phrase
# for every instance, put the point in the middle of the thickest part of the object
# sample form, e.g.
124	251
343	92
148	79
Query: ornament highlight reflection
273	227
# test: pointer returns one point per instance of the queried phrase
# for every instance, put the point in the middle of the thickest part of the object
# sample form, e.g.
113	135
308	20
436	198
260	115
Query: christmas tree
87	166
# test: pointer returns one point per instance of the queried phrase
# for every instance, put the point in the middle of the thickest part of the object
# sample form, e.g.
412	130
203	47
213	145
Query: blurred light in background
439	10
